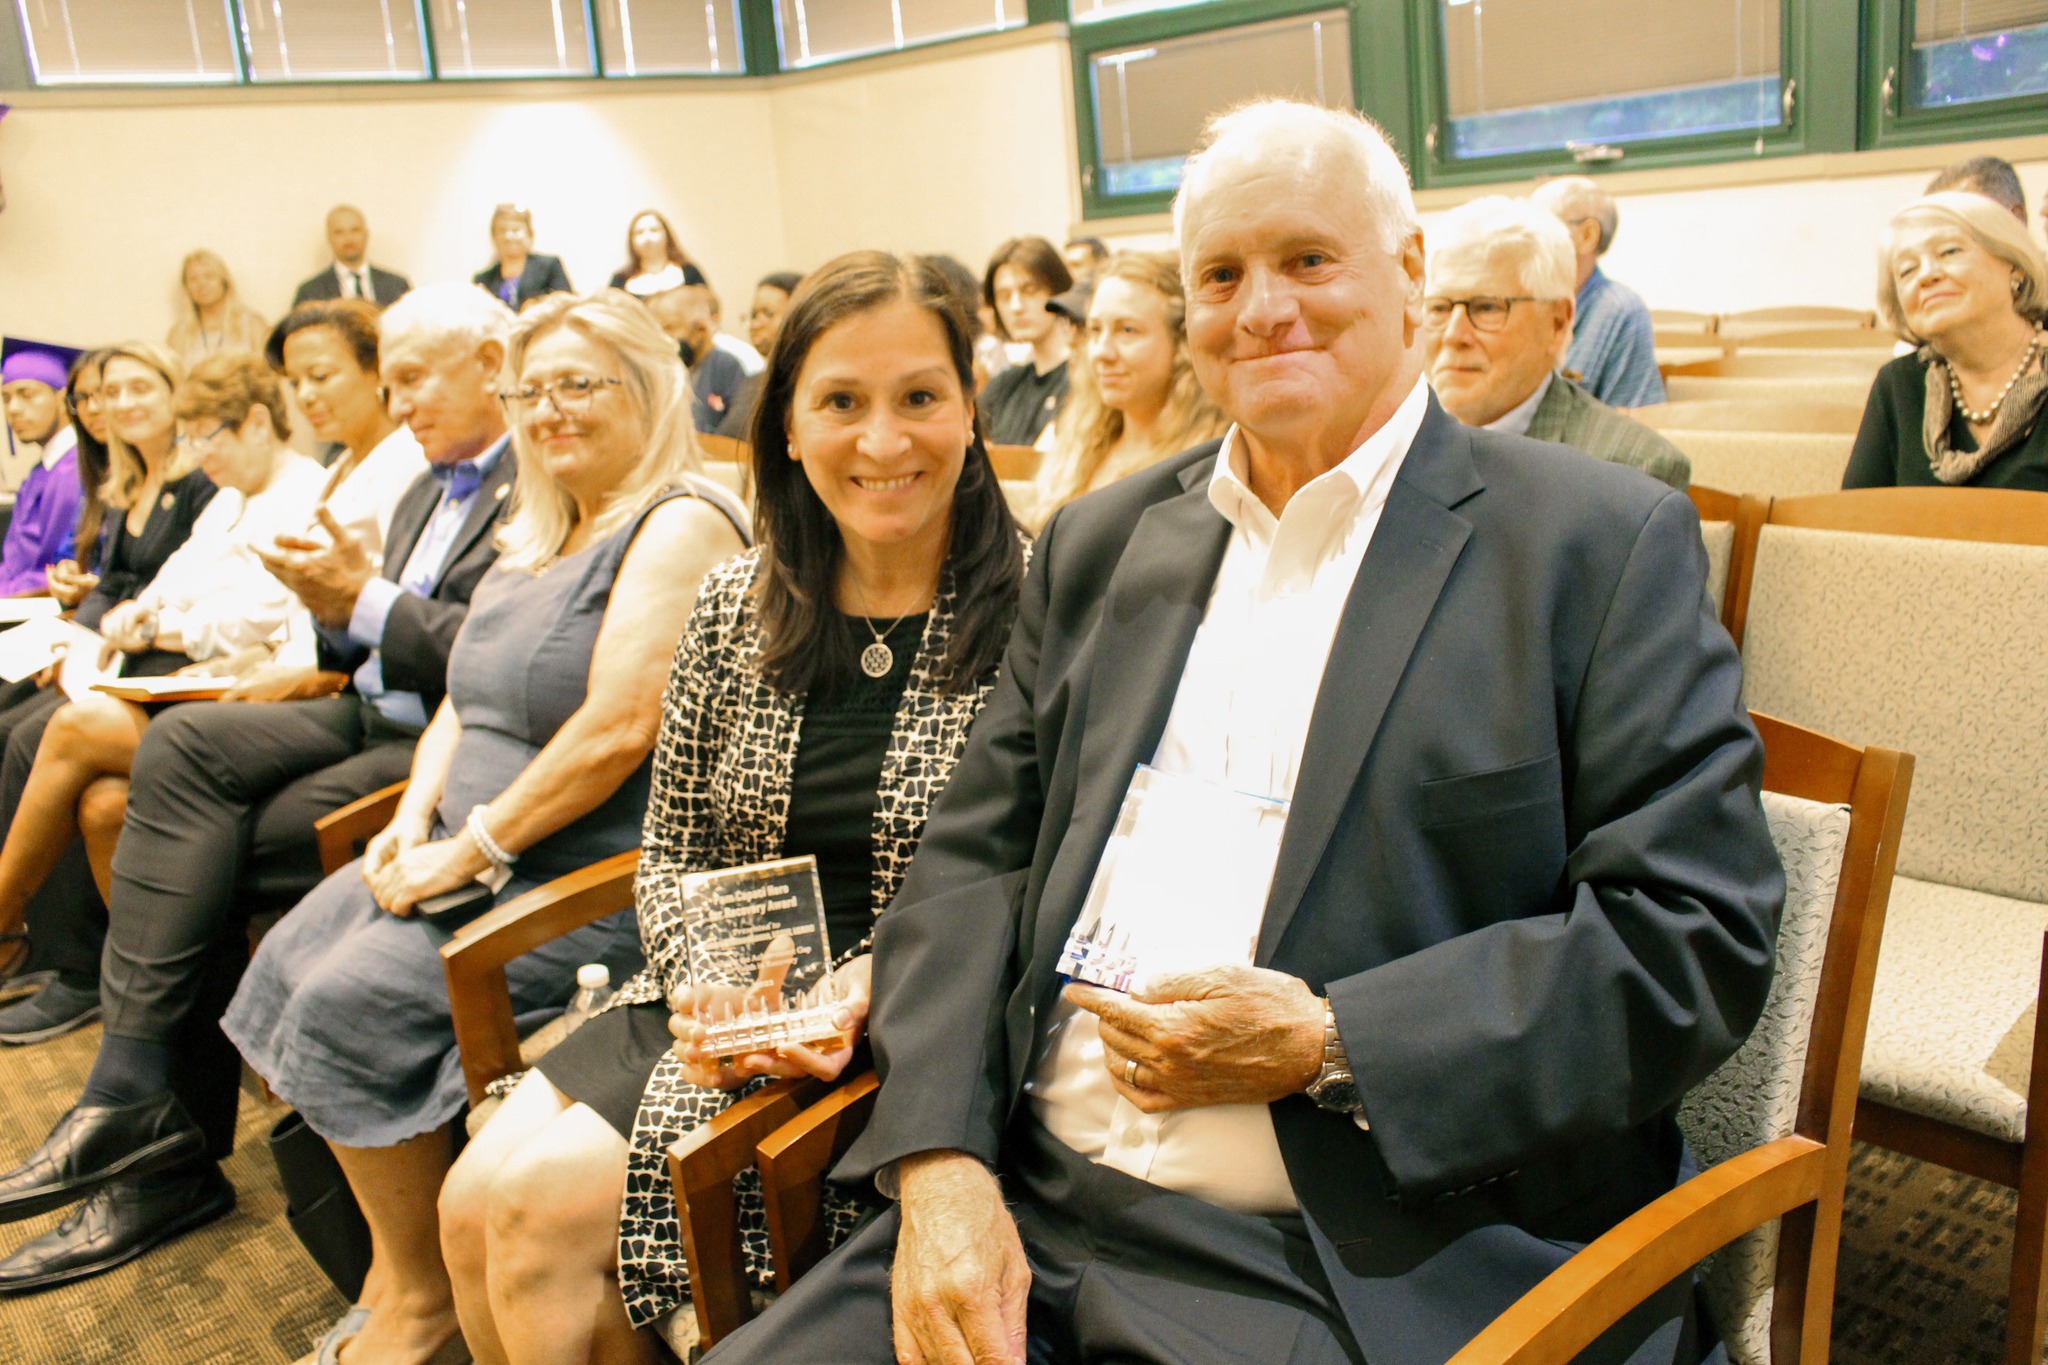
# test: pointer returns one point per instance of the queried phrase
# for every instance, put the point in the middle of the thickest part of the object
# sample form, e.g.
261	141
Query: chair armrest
793	1161
1585	1296
474	960
702	1166
341	833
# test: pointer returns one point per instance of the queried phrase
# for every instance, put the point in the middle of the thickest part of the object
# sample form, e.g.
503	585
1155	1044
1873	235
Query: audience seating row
1847	607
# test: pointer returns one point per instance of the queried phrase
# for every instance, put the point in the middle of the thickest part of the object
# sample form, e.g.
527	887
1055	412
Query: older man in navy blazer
1525	895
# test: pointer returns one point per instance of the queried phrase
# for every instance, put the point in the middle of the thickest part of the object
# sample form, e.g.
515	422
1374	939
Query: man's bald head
348	235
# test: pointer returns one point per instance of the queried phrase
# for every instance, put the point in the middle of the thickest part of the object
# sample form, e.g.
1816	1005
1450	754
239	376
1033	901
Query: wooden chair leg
2024	1321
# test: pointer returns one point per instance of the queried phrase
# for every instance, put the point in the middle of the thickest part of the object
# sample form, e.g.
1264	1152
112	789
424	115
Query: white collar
1344	488
1515	421
60	445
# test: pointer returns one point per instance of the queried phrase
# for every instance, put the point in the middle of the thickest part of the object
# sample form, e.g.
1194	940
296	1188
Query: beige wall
105	198
951	149
1731	247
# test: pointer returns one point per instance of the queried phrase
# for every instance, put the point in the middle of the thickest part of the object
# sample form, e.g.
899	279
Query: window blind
156	41
290	40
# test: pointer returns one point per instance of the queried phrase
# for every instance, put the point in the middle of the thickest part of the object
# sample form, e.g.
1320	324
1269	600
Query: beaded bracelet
485	844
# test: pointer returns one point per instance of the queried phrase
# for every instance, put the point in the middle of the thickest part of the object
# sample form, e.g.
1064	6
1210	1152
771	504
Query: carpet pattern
236	1292
1922	1278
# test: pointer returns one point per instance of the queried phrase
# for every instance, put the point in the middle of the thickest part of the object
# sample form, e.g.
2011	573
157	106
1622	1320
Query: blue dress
344	1008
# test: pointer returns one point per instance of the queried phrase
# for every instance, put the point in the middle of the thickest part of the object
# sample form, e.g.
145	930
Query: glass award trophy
1182	882
749	927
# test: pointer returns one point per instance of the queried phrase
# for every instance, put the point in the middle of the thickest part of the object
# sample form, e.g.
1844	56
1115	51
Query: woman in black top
1024	275
1962	280
157	492
519	274
819	700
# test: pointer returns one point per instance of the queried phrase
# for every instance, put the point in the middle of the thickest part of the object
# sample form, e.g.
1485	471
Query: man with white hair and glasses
1439	870
1614	347
223	796
1496	319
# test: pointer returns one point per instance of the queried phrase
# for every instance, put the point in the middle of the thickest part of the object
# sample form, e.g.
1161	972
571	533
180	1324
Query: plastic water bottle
593	992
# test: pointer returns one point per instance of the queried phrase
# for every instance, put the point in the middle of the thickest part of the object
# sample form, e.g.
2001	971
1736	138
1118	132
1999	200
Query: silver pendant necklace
877	659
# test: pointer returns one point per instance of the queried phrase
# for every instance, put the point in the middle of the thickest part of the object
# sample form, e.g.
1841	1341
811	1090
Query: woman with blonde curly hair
1962	281
1135	400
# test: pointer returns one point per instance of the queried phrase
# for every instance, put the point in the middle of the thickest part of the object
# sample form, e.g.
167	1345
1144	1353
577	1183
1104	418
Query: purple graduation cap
43	361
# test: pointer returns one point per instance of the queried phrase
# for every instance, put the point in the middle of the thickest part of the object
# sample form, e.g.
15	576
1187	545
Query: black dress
132	558
838	766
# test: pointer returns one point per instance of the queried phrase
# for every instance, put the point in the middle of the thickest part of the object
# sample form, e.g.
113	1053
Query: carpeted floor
237	1292
1922	1273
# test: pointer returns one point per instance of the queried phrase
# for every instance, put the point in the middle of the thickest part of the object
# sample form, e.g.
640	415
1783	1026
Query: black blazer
543	275
1526	861
386	287
420	631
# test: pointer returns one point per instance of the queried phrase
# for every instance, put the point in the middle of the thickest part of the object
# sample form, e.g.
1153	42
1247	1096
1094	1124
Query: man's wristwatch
1334	1088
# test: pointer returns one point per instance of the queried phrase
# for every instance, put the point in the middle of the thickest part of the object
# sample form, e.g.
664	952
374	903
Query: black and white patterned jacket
723	764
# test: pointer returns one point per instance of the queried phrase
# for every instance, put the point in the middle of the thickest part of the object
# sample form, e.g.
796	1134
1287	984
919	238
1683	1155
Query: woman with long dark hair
655	261
819	700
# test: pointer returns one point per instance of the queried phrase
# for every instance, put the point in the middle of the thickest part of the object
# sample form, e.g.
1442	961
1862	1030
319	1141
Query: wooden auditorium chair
1729	523
1739	414
1772	1125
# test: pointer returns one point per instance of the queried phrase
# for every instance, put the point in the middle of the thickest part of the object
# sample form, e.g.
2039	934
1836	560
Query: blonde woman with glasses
535	765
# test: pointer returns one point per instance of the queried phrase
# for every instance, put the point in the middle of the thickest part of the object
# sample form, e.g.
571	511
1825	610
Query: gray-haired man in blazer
1524	898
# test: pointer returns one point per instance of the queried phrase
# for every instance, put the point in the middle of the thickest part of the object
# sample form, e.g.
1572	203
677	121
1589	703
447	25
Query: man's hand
327	578
274	682
1225	1035
958	1293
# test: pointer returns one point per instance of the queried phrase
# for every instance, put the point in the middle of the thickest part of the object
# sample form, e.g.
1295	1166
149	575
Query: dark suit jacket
420	631
386	287
543	275
1525	860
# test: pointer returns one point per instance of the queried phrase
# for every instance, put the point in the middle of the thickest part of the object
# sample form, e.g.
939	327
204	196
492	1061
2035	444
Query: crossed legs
84	742
529	1231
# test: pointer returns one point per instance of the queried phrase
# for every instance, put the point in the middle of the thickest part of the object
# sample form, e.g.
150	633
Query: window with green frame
1147	82
177	42
1944	70
1511	88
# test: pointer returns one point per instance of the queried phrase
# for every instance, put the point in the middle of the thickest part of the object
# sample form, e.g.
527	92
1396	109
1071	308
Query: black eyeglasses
1486	312
572	395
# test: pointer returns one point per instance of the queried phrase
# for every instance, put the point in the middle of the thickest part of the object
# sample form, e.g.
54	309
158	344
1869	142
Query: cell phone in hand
470	898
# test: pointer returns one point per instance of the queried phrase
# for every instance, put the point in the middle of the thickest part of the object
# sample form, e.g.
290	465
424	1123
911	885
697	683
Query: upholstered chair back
1936	647
1780	464
1754	1097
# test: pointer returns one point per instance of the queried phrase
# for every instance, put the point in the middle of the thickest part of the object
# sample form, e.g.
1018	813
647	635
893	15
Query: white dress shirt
1240	718
362	503
213	589
355	284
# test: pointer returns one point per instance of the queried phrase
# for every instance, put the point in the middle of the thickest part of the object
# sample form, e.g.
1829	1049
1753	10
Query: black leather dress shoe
94	1144
118	1223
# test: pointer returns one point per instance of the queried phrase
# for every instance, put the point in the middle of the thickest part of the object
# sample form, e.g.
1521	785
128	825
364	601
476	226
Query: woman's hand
129	628
426	869
68	584
403	834
696	1007
239	664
